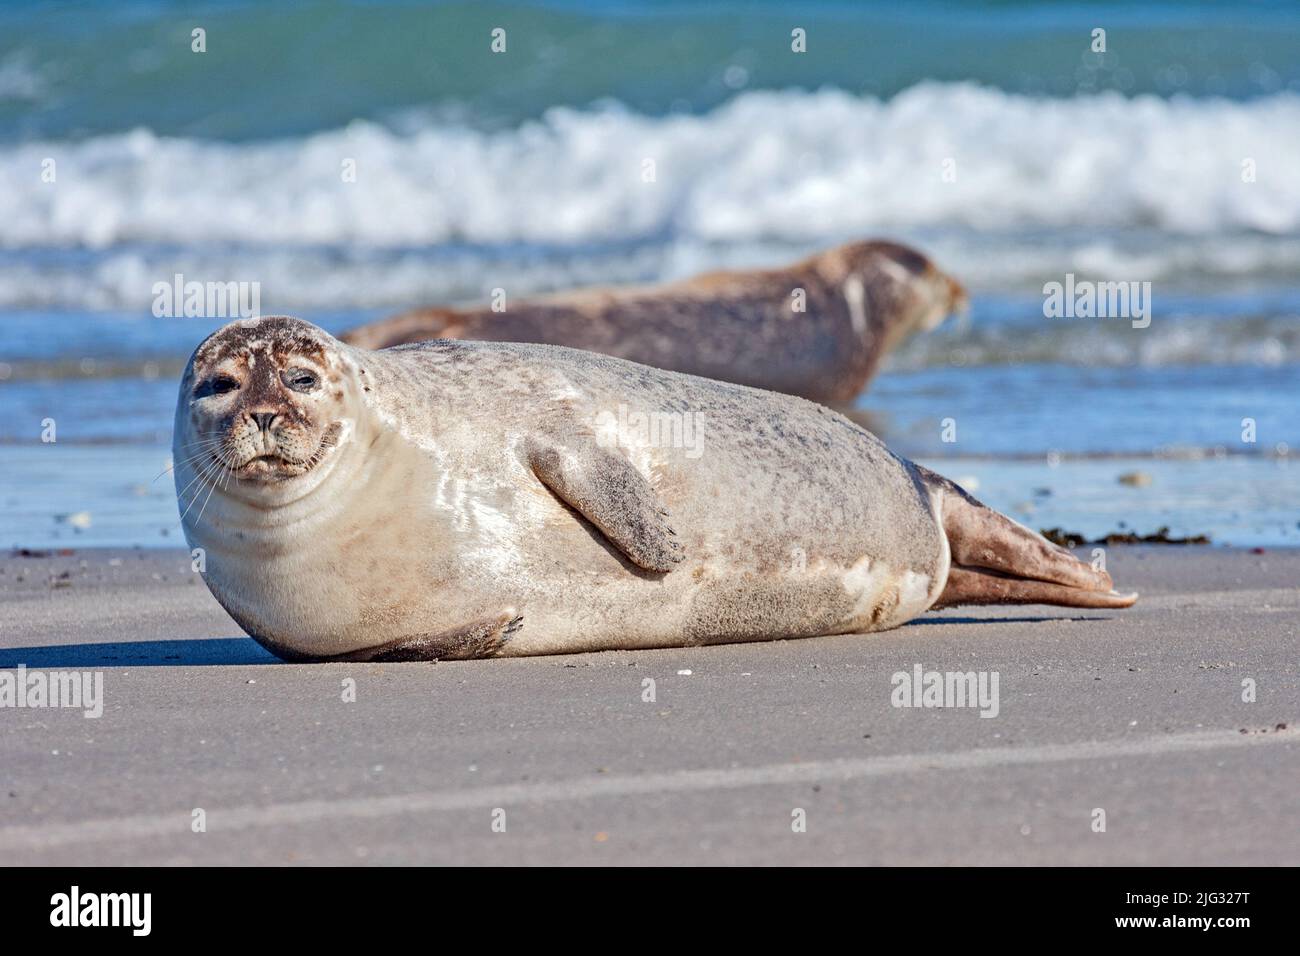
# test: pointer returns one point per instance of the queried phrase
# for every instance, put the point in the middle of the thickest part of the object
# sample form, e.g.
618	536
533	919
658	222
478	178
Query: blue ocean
354	159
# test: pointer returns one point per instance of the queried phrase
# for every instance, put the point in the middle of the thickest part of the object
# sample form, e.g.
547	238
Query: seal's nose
263	420
958	296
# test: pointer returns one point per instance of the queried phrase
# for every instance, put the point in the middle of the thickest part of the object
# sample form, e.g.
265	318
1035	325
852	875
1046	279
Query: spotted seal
457	499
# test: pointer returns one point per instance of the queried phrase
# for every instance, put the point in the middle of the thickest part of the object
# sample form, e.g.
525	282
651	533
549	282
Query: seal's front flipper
604	488
997	561
480	639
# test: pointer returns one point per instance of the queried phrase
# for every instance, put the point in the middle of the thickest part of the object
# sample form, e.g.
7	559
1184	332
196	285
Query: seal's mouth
279	466
271	467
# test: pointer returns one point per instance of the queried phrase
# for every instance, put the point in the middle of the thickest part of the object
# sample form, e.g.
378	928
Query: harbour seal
818	329
456	499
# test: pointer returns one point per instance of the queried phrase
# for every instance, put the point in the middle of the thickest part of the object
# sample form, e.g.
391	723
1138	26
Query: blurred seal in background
818	329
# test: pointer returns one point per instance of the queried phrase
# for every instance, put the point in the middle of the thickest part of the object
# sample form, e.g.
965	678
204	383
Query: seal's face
267	400
918	293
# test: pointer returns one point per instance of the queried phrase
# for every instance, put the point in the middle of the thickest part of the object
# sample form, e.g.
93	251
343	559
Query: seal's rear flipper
997	561
609	492
977	586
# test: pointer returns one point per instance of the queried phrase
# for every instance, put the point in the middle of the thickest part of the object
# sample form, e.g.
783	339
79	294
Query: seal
818	329
454	499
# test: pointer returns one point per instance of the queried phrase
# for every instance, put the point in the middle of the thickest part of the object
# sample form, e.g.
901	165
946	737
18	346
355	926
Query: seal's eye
299	379
217	385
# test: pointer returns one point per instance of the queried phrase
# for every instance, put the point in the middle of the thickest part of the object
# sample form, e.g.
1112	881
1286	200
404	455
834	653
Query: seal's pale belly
328	584
311	607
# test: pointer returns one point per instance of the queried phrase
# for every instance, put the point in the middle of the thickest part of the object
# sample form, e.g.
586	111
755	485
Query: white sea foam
789	165
1139	188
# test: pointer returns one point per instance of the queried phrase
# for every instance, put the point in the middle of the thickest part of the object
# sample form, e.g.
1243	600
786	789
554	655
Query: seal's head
900	283
264	402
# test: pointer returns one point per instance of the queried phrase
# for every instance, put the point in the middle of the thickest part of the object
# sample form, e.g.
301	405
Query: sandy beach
1138	713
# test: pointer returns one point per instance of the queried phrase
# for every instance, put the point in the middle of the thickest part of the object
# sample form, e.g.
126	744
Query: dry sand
1137	713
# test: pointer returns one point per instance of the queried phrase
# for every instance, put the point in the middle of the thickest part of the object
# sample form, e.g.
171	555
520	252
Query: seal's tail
997	561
